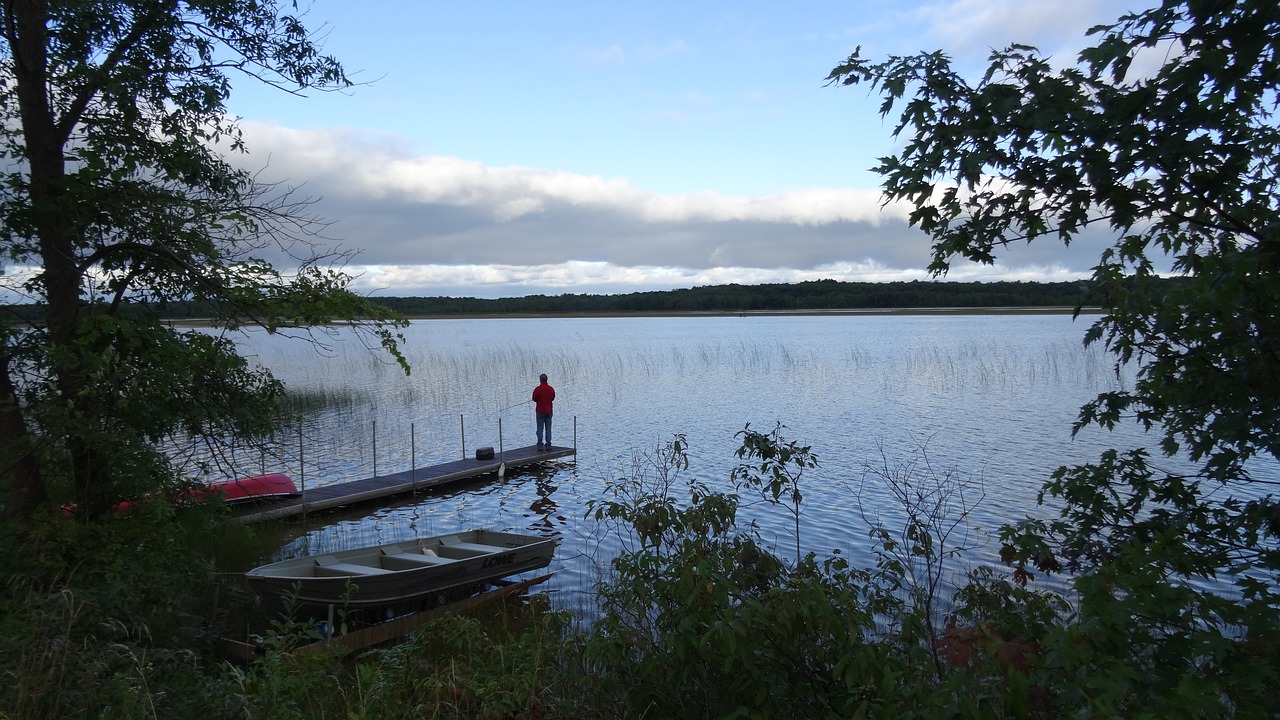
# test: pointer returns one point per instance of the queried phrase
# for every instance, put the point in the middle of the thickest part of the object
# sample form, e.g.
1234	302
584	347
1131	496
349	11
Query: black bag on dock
484	453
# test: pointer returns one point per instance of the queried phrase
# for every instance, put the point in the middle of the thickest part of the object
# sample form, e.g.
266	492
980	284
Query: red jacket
542	397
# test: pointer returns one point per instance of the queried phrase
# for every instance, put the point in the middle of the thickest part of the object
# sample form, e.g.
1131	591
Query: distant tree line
812	295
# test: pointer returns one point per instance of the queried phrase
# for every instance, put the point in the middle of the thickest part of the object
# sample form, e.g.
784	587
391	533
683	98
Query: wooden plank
398	483
238	651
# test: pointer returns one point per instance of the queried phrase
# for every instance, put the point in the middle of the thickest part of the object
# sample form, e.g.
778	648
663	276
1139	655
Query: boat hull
251	489
397	574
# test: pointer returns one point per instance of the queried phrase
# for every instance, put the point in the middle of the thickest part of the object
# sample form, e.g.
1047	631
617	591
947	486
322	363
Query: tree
1180	165
116	196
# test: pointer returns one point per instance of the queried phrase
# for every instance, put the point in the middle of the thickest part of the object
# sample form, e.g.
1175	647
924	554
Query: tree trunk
54	214
19	466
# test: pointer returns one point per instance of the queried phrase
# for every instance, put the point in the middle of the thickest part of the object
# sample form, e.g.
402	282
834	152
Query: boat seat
341	569
473	548
409	561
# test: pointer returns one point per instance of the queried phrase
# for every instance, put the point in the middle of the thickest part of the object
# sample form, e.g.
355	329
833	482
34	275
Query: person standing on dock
543	395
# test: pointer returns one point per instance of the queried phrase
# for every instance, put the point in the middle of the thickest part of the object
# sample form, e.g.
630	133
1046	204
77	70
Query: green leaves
706	622
1178	164
777	475
115	113
1031	151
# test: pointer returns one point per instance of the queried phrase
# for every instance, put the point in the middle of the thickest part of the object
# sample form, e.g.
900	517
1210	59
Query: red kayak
232	492
258	487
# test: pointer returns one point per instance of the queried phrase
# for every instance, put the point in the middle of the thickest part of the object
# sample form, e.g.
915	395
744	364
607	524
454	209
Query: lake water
989	398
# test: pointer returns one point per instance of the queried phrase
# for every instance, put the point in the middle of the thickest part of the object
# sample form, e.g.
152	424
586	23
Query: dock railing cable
413	448
302	467
359	490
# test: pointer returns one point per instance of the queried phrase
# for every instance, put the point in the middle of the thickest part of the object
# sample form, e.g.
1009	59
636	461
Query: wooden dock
399	483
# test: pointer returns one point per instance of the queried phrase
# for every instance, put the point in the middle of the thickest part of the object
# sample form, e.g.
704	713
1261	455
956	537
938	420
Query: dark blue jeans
544	426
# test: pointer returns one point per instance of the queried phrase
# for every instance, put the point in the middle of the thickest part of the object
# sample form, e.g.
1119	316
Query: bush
701	621
110	619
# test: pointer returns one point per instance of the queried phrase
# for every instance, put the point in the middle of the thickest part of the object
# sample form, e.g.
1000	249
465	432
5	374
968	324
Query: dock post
375	448
500	451
462	425
413	457
575	438
302	467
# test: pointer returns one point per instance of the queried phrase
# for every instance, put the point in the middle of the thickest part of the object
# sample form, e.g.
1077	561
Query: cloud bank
435	225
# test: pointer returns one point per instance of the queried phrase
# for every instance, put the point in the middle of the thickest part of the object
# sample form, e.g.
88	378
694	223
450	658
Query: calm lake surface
989	398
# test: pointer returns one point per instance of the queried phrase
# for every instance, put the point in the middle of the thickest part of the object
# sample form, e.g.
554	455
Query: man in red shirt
543	395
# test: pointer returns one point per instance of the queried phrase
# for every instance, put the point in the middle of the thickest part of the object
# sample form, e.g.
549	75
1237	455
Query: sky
502	149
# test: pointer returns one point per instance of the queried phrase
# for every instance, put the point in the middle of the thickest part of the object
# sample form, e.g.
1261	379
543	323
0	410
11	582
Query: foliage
915	554
808	295
1176	570
116	200
114	192
697	619
732	297
776	477
700	621
509	664
116	196
111	619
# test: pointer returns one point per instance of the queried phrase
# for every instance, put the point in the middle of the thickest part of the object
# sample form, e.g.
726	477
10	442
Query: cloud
645	53
353	167
677	48
980	24
588	277
444	225
612	55
492	281
973	27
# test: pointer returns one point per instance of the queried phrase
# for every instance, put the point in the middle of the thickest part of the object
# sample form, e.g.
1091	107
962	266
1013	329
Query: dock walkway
358	491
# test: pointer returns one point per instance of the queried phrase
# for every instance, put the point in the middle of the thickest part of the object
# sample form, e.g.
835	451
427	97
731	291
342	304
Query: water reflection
991	397
545	509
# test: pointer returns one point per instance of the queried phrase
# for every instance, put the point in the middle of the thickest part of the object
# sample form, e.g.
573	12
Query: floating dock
407	481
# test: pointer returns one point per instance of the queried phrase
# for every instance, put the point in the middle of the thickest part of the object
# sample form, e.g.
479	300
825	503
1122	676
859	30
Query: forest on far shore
817	295
828	295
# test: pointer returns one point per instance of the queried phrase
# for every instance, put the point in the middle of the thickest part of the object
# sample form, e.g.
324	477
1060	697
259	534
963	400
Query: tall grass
346	393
